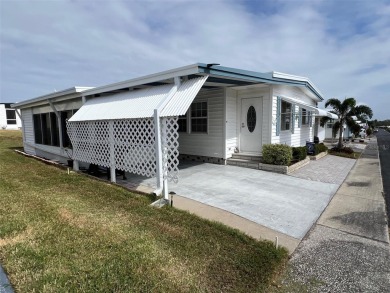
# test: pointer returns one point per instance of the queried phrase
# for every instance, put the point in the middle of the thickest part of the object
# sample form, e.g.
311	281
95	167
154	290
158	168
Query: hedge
277	154
299	153
319	148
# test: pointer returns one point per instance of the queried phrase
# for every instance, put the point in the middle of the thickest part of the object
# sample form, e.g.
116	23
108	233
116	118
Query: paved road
348	249
383	138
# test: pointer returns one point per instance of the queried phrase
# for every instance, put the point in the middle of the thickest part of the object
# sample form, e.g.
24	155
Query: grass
354	155
70	233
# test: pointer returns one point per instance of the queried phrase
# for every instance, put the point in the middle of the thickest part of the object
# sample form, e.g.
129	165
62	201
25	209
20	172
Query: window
54	129
11	116
329	125
305	117
37	128
199	117
65	115
251	118
285	116
182	121
46	129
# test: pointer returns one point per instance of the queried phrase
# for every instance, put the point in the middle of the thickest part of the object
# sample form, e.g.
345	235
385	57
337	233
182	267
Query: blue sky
342	46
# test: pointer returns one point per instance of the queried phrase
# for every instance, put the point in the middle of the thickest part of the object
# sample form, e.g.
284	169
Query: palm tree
345	110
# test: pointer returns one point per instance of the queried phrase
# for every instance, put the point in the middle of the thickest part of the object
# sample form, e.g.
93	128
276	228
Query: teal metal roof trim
253	76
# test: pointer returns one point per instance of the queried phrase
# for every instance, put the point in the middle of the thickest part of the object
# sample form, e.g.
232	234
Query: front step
248	157
244	160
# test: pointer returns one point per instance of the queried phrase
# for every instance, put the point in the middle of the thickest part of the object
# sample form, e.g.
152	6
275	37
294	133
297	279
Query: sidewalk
5	286
348	248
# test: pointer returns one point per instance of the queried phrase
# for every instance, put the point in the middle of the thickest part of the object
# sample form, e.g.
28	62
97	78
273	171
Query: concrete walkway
348	249
5	286
329	169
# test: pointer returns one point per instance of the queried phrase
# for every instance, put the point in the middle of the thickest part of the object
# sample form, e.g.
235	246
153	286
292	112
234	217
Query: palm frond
334	103
363	110
323	120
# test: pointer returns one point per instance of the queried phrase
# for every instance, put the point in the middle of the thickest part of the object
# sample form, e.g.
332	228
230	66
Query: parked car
376	129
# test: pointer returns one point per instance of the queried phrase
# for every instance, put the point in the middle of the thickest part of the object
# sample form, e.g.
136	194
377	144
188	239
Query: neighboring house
323	132
202	111
347	133
9	117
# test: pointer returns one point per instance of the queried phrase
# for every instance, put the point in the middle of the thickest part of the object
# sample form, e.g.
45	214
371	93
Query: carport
283	203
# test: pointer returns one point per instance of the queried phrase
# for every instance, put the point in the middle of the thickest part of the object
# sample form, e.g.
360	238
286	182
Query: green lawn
70	233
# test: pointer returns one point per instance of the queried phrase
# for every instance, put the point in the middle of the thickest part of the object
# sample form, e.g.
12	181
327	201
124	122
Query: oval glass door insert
251	118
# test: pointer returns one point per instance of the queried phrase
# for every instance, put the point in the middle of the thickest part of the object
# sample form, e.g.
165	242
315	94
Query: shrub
345	150
299	153
369	131
277	154
319	148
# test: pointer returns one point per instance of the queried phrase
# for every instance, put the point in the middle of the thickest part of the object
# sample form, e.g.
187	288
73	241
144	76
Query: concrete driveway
283	203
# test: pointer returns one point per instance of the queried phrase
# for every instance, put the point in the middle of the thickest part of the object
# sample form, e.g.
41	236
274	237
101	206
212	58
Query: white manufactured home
148	124
9	117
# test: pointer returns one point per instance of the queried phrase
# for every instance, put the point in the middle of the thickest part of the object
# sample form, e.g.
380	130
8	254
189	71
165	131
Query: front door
251	117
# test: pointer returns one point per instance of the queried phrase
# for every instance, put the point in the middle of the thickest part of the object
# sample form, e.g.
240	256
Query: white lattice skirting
127	144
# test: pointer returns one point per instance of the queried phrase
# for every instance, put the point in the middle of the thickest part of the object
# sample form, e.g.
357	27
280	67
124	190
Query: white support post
157	133
162	184
112	151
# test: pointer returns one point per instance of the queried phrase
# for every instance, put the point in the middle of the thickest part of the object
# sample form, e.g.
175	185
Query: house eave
69	93
155	77
257	77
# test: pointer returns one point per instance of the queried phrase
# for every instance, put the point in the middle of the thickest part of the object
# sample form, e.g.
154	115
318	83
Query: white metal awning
324	113
298	102
141	103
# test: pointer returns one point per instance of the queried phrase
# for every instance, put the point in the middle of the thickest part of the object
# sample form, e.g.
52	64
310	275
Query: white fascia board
70	93
295	77
155	77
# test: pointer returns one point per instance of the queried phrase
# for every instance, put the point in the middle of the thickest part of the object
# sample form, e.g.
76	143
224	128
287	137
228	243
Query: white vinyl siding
301	134
28	131
209	144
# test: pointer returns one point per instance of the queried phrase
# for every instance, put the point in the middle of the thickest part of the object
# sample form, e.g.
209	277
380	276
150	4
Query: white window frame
190	118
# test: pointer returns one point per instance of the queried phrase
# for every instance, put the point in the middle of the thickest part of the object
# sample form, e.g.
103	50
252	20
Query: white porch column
157	133
162	184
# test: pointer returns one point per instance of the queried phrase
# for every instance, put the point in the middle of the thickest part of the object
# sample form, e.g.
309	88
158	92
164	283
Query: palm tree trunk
340	145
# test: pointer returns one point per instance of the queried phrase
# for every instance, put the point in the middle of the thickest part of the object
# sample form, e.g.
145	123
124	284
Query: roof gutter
256	77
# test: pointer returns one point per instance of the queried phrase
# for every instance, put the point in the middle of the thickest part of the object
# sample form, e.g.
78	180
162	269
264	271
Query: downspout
162	185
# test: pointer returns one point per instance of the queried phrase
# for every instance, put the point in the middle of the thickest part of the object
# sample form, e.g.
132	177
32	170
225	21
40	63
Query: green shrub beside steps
277	154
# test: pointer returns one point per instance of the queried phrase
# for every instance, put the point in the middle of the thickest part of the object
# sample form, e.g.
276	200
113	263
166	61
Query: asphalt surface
383	138
348	249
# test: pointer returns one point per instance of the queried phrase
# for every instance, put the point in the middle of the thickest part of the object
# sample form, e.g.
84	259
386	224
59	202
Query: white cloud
58	44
